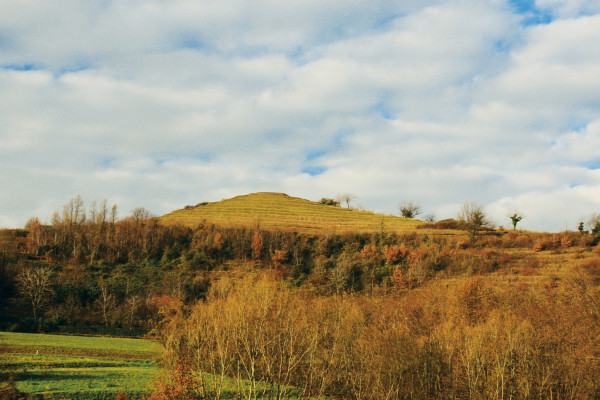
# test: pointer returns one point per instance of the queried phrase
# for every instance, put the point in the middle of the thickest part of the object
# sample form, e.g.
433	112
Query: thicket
466	340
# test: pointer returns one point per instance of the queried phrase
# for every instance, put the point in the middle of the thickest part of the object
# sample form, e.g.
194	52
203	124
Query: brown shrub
522	241
515	239
463	244
368	251
528	271
504	259
395	253
566	242
542	244
587	240
398	278
443	224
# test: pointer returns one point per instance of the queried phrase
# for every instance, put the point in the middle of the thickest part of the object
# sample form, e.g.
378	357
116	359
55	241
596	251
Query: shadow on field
60	376
71	365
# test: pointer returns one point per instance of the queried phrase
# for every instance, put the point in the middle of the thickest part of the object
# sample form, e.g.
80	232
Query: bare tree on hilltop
346	198
473	219
408	209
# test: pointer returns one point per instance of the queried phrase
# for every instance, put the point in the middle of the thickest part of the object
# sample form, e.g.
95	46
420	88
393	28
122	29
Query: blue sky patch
313	155
386	22
532	14
106	162
594	164
69	69
384	111
20	67
314	171
192	42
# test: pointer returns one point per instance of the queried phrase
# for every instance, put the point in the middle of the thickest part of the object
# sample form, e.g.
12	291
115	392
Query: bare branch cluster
473	219
408	209
34	285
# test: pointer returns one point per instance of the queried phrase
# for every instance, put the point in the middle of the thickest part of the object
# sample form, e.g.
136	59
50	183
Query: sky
166	103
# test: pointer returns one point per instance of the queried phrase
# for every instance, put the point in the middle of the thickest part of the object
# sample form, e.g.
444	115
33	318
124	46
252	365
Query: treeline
95	270
461	340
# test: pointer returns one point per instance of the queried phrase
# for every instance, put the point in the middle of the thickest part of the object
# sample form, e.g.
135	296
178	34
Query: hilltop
278	211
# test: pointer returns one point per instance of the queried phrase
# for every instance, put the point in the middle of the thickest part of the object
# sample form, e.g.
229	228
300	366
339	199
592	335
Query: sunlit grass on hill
278	211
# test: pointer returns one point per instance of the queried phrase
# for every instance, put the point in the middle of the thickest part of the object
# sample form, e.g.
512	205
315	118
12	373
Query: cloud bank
163	104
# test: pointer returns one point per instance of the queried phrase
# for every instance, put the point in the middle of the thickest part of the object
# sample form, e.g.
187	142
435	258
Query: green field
80	367
282	212
76	367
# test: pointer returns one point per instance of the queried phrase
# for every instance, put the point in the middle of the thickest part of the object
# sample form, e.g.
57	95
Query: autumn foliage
469	339
421	315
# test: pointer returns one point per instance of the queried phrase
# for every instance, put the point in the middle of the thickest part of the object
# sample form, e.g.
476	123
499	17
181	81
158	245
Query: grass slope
76	367
278	211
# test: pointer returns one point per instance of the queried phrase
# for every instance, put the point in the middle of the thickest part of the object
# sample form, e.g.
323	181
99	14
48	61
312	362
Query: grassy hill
278	211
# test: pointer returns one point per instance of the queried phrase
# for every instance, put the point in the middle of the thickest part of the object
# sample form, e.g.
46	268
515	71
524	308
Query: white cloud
553	74
569	8
580	146
562	208
162	104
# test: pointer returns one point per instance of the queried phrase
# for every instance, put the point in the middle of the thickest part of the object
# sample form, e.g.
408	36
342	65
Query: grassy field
76	367
282	212
79	367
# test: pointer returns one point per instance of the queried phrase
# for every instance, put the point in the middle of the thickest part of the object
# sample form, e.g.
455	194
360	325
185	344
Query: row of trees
135	256
471	215
473	218
345	198
96	268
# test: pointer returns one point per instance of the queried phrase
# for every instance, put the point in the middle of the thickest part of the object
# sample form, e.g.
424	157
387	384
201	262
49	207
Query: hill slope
278	211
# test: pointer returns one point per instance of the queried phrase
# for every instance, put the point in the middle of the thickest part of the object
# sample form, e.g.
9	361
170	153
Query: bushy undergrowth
465	339
113	278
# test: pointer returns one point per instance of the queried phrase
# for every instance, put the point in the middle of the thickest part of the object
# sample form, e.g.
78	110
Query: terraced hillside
278	211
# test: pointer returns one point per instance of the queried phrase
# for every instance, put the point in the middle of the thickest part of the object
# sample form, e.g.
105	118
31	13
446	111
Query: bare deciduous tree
408	209
113	214
93	212
141	214
429	218
33	285
105	300
473	218
594	224
132	304
74	211
346	198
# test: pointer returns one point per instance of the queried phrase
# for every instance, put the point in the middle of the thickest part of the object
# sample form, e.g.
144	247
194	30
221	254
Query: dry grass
278	211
